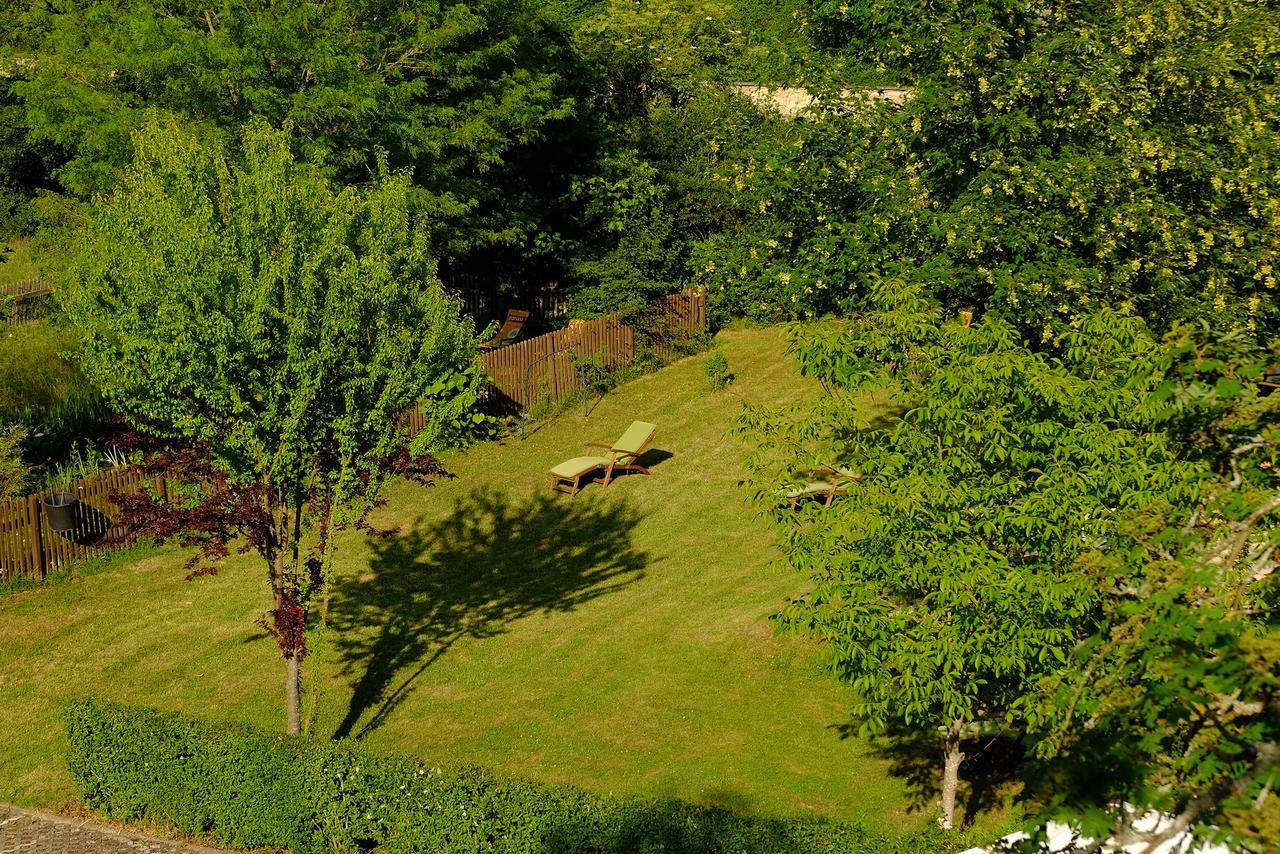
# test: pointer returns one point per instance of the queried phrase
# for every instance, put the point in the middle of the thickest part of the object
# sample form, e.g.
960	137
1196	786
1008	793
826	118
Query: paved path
31	832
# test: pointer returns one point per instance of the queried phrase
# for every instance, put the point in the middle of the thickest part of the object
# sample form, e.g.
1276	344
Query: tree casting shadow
990	765
492	560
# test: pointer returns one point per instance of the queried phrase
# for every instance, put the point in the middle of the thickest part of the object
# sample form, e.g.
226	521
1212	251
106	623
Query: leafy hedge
245	788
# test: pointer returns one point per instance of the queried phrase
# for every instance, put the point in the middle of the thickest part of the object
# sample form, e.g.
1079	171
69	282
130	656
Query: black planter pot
60	510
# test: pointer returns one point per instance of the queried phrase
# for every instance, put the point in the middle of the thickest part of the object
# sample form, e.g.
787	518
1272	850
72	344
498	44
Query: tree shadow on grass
491	561
991	765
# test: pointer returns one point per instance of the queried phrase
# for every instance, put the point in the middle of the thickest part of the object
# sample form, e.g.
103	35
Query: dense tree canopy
1173	704
946	583
455	91
1054	156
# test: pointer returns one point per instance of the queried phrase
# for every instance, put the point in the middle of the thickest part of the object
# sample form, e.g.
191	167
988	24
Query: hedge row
244	788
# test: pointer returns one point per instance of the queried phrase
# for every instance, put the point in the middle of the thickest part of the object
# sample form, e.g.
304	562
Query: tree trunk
293	695
951	759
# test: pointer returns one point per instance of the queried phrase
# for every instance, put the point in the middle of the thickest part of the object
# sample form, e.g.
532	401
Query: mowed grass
618	639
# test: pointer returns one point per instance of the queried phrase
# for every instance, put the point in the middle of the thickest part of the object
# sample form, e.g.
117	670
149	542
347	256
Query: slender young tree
944	584
242	307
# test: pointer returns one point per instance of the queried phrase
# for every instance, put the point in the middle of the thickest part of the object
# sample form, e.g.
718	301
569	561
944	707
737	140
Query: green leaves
245	303
246	788
948	582
14	474
1053	157
454	92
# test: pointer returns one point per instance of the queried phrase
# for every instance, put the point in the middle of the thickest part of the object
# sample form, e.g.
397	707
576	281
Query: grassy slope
617	639
19	261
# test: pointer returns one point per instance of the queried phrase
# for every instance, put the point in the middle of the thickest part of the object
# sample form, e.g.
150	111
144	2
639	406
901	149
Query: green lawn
618	640
17	261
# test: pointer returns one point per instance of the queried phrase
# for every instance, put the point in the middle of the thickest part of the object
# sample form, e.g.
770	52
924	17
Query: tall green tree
280	328
944	584
458	92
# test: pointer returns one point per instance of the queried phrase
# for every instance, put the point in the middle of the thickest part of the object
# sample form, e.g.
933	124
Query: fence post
37	537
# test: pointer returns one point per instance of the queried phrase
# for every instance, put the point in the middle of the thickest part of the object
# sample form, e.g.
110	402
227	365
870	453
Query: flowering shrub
1054	156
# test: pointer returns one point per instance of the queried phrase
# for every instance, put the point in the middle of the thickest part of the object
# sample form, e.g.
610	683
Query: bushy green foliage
945	583
597	377
454	91
1173	704
26	164
645	206
246	789
649	49
39	370
1054	156
242	305
248	303
43	388
726	41
1073	549
717	370
14	474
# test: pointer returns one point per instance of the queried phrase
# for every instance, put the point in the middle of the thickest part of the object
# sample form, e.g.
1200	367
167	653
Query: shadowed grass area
490	562
617	639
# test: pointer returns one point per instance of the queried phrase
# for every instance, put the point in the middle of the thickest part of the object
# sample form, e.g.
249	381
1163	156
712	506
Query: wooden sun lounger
622	455
824	484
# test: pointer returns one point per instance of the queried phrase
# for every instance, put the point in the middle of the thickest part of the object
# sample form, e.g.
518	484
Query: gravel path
32	832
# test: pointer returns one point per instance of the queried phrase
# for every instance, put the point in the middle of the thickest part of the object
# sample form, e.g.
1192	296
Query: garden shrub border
240	786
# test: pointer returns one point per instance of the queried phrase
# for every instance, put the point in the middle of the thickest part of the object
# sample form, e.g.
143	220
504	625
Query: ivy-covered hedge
245	788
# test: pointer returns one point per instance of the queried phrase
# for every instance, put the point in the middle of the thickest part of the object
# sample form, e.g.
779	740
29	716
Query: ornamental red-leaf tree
272	331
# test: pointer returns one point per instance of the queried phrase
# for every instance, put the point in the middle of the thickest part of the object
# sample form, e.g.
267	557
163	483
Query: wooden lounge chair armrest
840	474
613	452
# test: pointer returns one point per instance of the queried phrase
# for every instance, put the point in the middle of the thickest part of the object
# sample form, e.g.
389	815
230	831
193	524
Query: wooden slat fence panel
32	298
608	338
29	548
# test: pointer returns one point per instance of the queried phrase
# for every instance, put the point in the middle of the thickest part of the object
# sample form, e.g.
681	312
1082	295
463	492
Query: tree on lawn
945	585
273	330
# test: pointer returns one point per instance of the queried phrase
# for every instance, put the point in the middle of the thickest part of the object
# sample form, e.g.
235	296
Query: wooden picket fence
543	368
31	298
29	548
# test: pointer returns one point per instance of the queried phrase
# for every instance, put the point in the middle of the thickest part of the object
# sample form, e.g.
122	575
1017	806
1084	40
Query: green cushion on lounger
579	466
809	489
637	436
